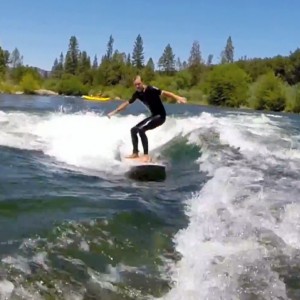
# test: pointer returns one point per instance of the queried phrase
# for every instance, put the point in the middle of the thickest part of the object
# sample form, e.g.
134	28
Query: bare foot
133	155
146	158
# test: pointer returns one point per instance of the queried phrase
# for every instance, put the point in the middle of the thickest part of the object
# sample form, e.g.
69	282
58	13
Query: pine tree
110	48
209	59
72	56
178	64
184	65
84	62
195	55
195	63
228	54
16	59
138	53
95	63
55	64
58	67
150	64
61	60
167	61
2	62
128	60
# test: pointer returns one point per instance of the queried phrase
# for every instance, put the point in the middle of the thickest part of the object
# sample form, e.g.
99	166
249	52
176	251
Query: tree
228	53
29	83
72	56
95	63
128	60
110	48
195	63
269	93
209	59
138	53
16	60
55	64
57	69
148	72
178	64
150	64
4	60
195	55
84	63
227	85
293	74
167	61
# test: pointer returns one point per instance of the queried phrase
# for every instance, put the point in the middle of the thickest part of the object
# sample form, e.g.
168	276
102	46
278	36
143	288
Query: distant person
150	97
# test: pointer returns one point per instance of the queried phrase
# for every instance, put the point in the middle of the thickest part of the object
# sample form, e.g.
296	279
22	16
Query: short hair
137	77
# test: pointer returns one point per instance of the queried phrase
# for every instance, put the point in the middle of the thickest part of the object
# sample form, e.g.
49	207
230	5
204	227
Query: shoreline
49	93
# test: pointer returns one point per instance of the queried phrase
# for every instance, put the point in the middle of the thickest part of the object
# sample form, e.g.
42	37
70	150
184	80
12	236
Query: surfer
149	96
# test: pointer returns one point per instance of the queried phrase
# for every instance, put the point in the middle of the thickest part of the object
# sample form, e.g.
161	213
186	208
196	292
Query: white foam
6	289
88	140
220	245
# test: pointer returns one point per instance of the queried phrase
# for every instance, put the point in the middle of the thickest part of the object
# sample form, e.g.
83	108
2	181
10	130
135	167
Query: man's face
138	85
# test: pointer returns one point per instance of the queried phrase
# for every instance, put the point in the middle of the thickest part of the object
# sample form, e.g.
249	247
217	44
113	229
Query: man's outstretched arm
119	108
179	99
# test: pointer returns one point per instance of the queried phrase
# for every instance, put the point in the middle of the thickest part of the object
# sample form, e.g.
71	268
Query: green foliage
293	99
18	73
72	56
3	61
227	85
71	85
16	59
29	83
195	63
8	88
260	83
138	53
167	61
228	53
293	72
268	93
51	84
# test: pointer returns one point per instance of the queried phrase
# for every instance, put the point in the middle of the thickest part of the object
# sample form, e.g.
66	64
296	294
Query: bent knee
134	130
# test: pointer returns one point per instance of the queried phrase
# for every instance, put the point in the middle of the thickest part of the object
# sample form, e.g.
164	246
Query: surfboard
146	171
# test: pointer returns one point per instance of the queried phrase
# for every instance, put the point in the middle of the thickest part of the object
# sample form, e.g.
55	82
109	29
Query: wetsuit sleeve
133	98
155	90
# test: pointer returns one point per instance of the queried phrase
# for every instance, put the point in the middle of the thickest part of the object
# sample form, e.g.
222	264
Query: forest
269	83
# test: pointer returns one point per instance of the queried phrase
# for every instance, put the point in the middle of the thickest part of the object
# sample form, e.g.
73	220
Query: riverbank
285	99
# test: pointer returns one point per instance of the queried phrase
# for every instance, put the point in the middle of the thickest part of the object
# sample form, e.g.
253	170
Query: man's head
138	83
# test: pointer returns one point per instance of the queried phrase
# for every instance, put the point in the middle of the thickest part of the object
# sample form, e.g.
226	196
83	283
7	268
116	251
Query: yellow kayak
95	98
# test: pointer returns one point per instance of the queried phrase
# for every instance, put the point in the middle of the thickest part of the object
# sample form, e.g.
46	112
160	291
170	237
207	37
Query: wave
92	141
243	229
243	226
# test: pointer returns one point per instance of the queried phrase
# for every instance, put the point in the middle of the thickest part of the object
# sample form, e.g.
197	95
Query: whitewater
242	235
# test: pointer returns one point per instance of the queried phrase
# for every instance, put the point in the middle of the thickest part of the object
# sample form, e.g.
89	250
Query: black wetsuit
151	98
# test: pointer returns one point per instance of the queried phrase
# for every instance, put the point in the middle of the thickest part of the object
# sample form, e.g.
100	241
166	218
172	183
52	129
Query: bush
116	92
7	88
268	93
293	99
28	83
51	84
227	85
71	85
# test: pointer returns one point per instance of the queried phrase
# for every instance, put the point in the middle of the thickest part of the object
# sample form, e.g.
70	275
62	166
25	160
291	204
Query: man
149	96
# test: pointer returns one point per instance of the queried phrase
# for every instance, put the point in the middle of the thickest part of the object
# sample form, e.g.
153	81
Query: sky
41	29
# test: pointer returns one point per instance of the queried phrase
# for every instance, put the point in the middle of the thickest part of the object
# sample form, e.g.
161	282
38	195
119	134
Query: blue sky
41	29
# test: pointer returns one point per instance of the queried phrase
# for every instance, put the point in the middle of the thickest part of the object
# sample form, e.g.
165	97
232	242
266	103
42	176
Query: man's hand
111	114
178	99
181	100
